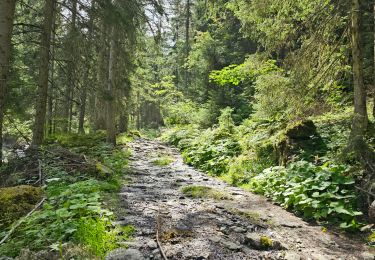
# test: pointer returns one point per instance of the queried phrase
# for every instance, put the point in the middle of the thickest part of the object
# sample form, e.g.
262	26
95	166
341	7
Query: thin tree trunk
52	81
373	83
83	90
41	102
138	123
68	105
7	8
111	127
99	112
360	119
82	110
187	41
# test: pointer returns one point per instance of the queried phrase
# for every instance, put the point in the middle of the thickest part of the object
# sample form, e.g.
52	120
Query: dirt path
229	228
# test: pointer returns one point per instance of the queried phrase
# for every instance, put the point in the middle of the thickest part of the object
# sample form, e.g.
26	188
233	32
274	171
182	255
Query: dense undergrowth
80	173
316	181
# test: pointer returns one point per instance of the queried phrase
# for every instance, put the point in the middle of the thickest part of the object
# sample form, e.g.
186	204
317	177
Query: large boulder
17	201
299	136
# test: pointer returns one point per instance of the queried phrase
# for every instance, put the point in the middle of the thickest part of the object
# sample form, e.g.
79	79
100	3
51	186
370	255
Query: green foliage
323	193
98	235
266	242
187	112
73	211
212	150
274	96
245	73
371	239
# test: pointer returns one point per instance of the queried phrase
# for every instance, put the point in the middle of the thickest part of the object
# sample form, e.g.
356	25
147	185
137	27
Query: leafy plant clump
323	193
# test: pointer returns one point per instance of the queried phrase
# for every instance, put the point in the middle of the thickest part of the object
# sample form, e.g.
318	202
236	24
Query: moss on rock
16	202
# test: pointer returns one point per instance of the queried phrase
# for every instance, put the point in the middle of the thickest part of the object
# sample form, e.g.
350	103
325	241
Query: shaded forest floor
199	217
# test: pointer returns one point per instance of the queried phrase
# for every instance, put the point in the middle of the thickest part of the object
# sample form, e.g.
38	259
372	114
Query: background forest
273	96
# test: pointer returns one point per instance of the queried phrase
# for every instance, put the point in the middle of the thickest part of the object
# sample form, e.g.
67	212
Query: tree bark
68	104
360	119
373	83
187	41
82	111
99	112
110	100
41	102
7	8
50	102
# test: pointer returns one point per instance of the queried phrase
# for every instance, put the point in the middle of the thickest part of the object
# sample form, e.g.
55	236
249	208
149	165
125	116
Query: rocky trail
235	225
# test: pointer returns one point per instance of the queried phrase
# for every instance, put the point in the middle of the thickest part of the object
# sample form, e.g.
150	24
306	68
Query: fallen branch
157	237
365	191
21	220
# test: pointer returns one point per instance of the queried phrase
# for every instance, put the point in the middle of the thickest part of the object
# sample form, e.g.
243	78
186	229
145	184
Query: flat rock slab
204	228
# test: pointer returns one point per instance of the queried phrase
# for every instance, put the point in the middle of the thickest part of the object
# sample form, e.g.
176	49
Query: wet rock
122	254
230	245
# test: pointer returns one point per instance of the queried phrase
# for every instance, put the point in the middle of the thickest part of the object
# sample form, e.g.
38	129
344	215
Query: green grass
163	160
205	192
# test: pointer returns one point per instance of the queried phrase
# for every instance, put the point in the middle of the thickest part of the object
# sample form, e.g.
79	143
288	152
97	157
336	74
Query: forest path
205	228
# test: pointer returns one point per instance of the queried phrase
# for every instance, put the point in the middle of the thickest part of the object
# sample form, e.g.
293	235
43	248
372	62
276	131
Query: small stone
253	240
215	239
291	225
279	245
155	252
151	244
237	229
231	246
292	256
128	254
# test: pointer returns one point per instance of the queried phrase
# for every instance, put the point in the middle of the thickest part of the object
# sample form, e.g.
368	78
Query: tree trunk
7	8
68	104
187	41
50	103
41	102
124	122
99	112
110	100
82	111
360	119
373	83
